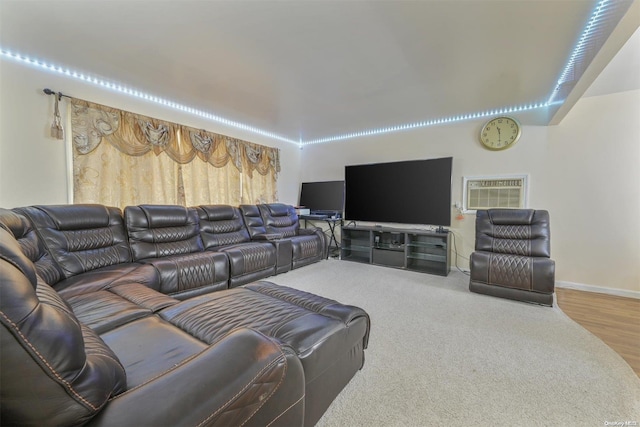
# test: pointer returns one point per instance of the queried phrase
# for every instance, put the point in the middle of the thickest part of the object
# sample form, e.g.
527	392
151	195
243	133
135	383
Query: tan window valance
136	135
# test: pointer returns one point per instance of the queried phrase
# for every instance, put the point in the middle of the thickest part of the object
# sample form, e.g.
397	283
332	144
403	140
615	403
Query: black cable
455	250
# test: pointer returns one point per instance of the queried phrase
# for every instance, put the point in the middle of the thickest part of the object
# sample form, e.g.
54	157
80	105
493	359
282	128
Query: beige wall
33	168
585	171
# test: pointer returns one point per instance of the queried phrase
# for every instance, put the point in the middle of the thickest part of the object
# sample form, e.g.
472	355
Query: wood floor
613	319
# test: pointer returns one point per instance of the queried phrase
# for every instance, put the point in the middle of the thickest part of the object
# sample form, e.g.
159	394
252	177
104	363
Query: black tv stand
410	249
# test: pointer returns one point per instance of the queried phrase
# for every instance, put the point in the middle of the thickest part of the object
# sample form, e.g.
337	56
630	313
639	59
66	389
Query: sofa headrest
77	217
510	216
278	209
250	210
217	212
165	215
11	253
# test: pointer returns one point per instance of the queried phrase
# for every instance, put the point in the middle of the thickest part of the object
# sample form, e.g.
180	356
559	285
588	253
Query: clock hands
491	133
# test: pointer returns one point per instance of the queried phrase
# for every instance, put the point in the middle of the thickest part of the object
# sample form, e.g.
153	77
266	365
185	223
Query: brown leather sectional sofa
157	316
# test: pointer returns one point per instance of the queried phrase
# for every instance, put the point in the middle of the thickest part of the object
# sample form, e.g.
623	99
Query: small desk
331	222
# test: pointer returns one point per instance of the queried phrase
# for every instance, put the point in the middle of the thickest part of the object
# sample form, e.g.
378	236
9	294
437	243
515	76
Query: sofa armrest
284	250
320	233
243	379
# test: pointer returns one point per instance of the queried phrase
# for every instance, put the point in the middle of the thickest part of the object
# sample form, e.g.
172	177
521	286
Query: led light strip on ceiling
604	17
138	94
606	14
427	123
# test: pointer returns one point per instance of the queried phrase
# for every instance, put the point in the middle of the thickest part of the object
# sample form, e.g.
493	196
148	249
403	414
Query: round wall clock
500	133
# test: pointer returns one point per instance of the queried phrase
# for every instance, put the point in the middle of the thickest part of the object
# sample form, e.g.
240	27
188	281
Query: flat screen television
326	197
407	192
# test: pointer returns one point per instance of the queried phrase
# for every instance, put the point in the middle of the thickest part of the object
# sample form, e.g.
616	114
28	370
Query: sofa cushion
104	310
150	346
253	220
513	231
243	379
107	277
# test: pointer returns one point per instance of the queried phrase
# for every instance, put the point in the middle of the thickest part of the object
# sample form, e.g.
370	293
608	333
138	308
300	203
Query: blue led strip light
567	79
138	94
582	51
427	123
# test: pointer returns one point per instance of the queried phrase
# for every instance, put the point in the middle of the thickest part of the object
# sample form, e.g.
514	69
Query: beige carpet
440	355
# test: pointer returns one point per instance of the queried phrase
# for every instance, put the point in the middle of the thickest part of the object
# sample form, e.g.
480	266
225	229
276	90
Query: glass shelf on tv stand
411	249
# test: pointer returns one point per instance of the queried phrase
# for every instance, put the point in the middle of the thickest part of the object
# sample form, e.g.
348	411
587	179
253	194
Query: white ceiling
312	69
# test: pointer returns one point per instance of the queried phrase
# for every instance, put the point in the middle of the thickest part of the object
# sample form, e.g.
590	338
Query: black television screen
323	197
408	192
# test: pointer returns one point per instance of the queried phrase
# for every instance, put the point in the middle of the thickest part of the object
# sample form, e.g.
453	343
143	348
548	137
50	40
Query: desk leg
332	238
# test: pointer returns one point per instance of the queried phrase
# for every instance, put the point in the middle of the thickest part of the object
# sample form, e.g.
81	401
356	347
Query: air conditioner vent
495	192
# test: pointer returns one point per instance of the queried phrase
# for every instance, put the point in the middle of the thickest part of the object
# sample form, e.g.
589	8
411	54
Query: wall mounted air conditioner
499	191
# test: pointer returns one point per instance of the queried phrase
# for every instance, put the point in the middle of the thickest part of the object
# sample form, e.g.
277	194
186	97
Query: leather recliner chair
168	237
512	255
309	245
86	247
222	229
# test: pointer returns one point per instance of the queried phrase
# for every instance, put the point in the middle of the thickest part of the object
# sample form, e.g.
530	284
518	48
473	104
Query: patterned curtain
259	187
121	158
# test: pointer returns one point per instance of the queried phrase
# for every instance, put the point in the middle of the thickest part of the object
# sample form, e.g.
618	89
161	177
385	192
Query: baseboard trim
598	289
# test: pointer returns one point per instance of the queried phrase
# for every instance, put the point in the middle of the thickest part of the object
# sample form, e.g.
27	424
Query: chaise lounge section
257	354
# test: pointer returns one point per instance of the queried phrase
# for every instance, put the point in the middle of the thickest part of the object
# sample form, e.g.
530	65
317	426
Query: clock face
500	133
